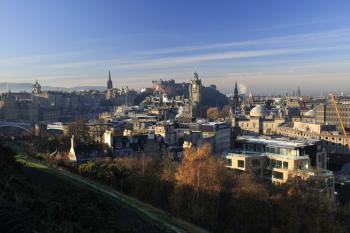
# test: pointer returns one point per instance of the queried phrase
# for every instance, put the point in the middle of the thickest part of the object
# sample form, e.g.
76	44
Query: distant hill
211	97
27	87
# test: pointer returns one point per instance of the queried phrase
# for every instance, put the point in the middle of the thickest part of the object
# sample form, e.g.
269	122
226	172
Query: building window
285	165
246	147
273	163
277	151
279	164
283	151
229	162
301	152
240	163
277	175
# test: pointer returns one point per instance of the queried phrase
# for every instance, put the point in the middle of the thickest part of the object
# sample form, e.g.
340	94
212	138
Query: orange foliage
200	170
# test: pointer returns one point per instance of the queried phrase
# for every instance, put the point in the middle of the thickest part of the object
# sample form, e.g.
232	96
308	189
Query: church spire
236	103
109	82
236	89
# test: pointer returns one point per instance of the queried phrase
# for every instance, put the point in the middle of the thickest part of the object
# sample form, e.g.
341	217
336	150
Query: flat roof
316	172
273	142
212	123
241	153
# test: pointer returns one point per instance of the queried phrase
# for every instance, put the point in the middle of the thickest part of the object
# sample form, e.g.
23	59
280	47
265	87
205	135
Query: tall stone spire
236	104
109	82
236	89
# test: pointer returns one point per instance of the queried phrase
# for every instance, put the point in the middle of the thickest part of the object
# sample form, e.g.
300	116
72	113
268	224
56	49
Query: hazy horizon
243	89
269	47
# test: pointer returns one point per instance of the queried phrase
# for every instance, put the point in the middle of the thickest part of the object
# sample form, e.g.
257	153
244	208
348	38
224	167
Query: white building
283	161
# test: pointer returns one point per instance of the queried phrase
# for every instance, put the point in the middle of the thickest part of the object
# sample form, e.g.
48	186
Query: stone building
235	101
116	96
326	114
170	87
258	122
48	106
195	96
332	140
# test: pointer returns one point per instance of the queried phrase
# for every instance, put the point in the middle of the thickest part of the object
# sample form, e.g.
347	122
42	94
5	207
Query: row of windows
278	164
247	125
310	136
254	147
273	150
283	151
256	163
277	175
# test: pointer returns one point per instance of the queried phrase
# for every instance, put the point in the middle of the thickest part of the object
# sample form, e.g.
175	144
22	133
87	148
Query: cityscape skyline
274	48
150	116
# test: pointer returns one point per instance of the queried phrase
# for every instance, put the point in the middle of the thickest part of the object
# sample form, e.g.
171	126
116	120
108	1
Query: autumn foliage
201	171
200	189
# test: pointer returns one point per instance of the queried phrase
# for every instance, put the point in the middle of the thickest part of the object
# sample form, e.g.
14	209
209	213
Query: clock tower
195	91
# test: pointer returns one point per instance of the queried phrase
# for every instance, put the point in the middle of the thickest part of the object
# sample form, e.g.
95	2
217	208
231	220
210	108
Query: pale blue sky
269	46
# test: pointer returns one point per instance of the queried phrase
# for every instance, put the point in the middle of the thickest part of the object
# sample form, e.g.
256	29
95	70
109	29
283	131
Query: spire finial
236	88
109	82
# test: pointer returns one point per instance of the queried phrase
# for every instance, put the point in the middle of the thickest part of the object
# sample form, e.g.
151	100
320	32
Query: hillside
35	199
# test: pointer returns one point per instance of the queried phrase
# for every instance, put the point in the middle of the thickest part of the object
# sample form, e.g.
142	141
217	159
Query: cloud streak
293	56
193	59
290	44
316	37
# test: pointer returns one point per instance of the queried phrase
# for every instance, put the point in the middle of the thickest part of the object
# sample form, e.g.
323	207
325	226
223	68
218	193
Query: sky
268	47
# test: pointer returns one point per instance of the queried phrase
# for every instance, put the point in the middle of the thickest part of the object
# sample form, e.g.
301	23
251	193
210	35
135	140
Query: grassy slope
147	212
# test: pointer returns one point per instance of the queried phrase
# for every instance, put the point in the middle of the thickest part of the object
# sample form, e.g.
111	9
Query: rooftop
316	172
241	153
276	142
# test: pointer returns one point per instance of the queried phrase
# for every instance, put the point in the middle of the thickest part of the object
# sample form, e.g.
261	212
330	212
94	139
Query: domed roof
36	84
257	111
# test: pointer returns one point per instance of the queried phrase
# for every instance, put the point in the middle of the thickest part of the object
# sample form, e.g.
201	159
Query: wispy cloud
192	59
328	36
291	56
325	40
44	57
213	57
